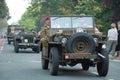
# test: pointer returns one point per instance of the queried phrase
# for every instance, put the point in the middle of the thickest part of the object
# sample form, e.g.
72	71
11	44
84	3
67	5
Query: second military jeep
12	30
72	41
25	40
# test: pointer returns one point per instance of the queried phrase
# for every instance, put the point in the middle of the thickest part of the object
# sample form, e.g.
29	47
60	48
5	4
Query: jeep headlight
96	40
35	38
64	40
79	30
16	33
104	46
26	40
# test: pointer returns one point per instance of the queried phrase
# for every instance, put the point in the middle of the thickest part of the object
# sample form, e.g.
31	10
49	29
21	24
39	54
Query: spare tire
81	42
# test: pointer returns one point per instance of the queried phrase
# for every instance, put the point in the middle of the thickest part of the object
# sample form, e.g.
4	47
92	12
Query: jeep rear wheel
38	48
9	41
103	65
16	47
85	64
81	42
54	61
34	49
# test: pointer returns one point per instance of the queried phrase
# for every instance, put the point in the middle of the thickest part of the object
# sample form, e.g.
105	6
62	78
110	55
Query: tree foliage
27	21
98	8
114	7
3	9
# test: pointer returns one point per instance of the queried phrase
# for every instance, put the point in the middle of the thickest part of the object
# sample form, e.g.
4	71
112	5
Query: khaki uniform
44	35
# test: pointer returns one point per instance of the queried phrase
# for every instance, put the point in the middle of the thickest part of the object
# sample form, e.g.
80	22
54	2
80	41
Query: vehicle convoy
13	30
73	40
24	40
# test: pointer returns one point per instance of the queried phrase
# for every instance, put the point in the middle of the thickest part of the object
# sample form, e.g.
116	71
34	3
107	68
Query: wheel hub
81	45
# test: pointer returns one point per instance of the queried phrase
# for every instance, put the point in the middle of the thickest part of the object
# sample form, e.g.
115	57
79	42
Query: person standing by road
112	40
118	41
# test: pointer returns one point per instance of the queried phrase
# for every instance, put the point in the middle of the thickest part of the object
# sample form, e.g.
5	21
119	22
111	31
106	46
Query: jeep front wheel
103	65
16	47
38	48
54	61
9	41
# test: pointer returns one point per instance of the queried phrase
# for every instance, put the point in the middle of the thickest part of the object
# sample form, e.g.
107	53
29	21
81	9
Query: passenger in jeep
44	33
33	31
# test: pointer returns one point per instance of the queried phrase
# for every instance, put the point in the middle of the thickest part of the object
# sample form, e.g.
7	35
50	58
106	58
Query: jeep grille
29	37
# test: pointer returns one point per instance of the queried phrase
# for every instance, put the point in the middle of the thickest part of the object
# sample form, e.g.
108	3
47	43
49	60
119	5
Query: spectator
118	41
112	40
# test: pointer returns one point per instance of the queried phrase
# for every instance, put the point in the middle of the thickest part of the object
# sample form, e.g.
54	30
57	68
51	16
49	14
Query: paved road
26	65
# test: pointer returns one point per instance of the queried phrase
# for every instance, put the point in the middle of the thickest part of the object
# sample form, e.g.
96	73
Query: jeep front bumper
79	56
27	45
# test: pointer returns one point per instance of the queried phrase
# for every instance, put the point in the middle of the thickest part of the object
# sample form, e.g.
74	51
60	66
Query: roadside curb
1	44
115	60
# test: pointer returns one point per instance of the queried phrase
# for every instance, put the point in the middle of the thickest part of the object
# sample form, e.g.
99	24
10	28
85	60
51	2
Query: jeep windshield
17	31
72	22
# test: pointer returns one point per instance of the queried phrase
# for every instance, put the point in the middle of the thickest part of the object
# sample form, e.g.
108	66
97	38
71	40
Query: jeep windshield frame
18	30
72	22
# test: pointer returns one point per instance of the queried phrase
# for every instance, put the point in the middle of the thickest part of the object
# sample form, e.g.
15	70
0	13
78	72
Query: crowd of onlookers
4	35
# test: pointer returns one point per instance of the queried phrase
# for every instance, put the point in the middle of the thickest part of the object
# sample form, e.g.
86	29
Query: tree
39	10
27	21
114	8
3	9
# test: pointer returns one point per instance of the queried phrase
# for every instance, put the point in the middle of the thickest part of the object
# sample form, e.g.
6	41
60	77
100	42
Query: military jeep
13	30
73	40
26	40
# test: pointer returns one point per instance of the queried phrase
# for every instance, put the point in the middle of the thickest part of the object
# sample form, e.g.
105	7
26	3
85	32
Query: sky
16	9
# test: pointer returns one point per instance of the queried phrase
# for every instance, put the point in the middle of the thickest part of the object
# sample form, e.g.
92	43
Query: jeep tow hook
101	55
